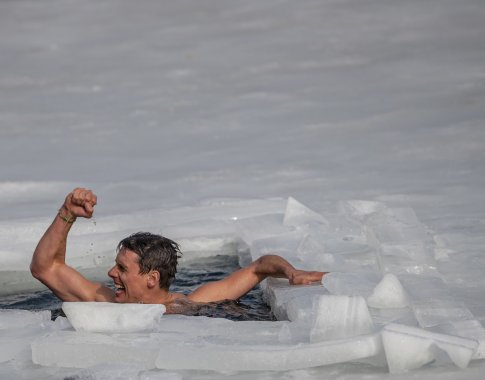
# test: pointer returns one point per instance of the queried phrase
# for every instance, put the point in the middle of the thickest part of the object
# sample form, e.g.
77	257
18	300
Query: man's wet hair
155	253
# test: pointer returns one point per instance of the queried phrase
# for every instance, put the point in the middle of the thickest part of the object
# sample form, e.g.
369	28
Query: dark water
191	275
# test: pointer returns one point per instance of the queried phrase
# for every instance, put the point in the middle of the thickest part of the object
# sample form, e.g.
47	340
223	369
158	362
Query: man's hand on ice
303	277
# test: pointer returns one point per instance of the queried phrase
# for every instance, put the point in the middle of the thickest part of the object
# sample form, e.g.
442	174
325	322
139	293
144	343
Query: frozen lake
165	108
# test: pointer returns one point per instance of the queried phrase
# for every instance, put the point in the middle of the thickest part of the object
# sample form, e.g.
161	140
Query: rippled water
190	276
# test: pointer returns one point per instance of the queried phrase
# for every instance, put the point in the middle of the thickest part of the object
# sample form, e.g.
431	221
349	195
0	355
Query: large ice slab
360	209
113	317
260	227
468	328
278	294
338	317
14	318
397	225
177	350
297	214
17	330
220	330
255	357
284	245
351	283
400	240
432	302
336	248
82	349
408	348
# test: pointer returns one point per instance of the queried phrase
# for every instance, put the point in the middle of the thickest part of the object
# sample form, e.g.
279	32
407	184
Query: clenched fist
79	202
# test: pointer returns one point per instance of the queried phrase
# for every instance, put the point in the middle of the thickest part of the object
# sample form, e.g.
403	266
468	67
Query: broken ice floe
410	347
106	317
383	295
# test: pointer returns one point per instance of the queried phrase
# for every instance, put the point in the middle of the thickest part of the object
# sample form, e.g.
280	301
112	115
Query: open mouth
120	289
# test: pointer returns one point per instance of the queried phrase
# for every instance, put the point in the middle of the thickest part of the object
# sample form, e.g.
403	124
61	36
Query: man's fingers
82	202
306	278
88	207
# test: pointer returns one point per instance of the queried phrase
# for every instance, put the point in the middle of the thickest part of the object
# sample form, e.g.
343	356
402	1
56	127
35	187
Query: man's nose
111	272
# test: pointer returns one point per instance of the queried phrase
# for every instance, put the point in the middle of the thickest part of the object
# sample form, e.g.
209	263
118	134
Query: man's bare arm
48	262
242	281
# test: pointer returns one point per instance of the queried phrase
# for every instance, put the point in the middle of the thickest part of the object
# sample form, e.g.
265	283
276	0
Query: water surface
190	276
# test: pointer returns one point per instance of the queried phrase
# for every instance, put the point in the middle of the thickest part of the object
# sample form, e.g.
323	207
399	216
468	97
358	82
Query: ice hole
195	268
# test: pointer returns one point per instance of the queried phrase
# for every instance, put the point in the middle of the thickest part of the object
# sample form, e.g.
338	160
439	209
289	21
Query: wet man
144	267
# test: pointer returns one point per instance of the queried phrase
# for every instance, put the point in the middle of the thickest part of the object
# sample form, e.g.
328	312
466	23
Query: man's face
131	286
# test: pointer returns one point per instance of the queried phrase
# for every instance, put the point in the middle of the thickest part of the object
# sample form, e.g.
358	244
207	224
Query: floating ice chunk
278	293
397	225
108	371
15	340
360	209
12	319
260	227
300	309
218	330
298	214
252	357
432	302
112	317
471	329
412	258
178	351
439	311
388	293
409	348
338	317
329	248
424	288
351	283
74	349
15	343
285	245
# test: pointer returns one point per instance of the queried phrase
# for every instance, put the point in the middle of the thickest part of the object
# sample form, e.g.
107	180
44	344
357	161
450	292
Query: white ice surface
409	348
162	105
338	317
108	317
388	294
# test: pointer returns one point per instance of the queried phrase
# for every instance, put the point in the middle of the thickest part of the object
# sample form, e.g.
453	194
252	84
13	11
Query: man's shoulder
177	304
178	295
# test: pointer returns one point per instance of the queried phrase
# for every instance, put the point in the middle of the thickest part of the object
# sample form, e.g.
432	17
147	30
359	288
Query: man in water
144	267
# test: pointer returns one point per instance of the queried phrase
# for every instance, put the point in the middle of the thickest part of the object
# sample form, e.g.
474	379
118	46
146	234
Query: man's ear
153	279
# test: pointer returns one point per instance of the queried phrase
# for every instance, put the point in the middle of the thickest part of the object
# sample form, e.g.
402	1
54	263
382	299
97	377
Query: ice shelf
256	357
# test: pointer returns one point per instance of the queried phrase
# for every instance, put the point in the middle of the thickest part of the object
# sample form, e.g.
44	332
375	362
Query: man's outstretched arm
48	262
242	281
